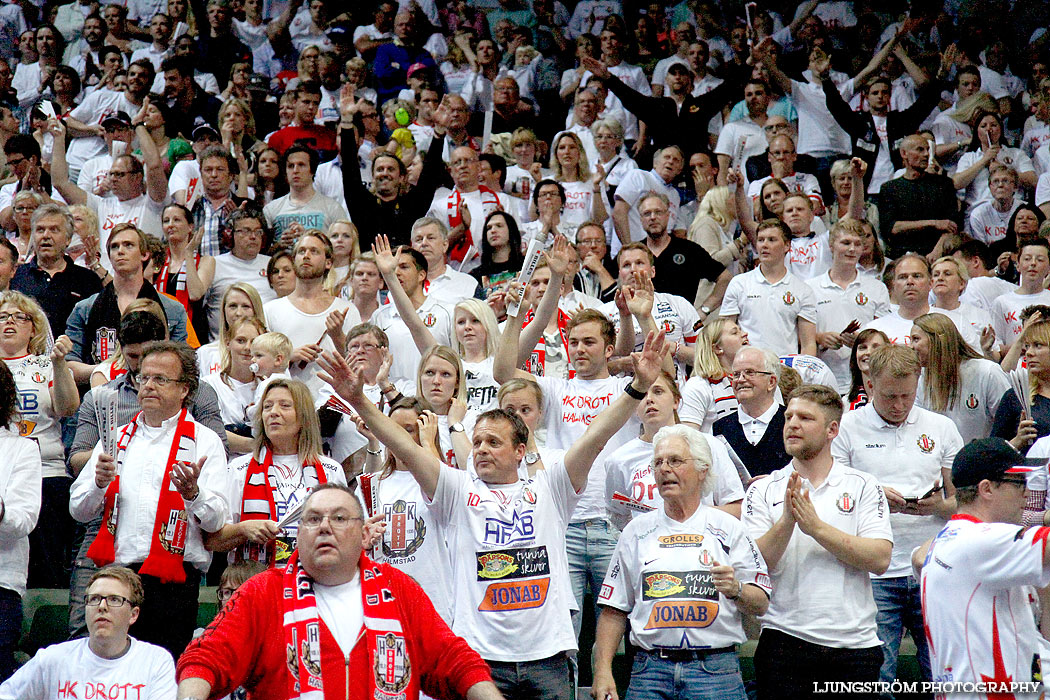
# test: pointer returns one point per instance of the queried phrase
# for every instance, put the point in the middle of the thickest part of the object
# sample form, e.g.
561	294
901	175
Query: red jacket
244	645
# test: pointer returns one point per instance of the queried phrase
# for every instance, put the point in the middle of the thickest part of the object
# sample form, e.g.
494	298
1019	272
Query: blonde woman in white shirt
584	197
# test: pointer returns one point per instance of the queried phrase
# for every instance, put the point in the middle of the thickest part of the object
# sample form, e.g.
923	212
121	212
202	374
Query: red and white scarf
170	527
390	672
489	204
182	293
537	362
257	504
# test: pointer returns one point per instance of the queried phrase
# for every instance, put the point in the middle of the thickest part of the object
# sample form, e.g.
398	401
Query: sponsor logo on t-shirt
680	540
683	599
513	563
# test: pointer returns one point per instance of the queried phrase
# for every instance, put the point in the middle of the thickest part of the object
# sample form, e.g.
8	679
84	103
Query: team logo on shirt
667	326
846	503
39	378
529	496
173	533
405	531
705	558
429	320
926	443
392	668
972	403
789	298
678	259
861	299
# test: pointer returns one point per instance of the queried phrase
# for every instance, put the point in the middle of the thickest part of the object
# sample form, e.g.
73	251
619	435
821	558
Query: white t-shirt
437	318
451	287
660	576
230	269
579	198
144	672
34	376
208	359
810	255
234	398
630	471
968	317
769	313
993	637
816	597
673	314
141	211
983	291
818	132
1006	313
864	299
978	191
987	223
319	212
740	140
94	172
704	401
95	108
898	329
812	370
909	458
413	540
481	386
982	384
510	572
343	611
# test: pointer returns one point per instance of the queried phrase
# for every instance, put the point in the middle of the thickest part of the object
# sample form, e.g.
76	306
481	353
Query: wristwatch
457	428
531	458
739	592
705	310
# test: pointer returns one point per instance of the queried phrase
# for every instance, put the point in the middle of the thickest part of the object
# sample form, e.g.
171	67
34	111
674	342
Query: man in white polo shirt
822	528
912	283
909	450
448	286
627	221
845	297
777	310
1033	262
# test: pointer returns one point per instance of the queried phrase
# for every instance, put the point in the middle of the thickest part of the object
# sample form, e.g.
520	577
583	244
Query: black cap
118	119
679	68
992	459
204	129
258	81
340	30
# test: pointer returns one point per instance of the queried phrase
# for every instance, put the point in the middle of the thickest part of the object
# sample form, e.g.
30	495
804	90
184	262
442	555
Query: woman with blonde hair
476	337
115	365
1018	422
956	381
46	394
235	384
237	124
612	157
842	183
949	278
708	395
239	301
442	383
346	248
285	464
83	246
713	227
584	188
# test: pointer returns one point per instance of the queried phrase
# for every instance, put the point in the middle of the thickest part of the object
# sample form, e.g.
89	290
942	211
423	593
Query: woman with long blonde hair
235	383
708	395
714	225
956	381
346	248
584	188
239	301
442	382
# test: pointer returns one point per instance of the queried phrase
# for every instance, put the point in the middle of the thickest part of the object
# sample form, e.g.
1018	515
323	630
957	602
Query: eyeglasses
652	214
159	379
594	242
113	601
25	210
747	373
366	347
671	462
247	231
224	594
337	521
16	316
12	162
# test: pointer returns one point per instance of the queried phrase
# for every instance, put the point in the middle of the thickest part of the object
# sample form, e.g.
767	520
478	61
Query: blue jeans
900	607
589	545
544	679
716	677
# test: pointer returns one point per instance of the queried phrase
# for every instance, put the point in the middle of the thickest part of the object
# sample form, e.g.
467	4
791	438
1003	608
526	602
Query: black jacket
899	123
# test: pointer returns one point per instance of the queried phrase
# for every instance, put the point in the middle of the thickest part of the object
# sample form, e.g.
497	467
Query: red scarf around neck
537	362
257	504
390	673
489	204
182	293
168	542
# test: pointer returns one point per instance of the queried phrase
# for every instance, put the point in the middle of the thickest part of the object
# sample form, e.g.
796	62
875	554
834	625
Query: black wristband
633	393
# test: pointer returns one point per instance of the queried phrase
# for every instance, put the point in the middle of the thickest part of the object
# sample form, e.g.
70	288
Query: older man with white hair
448	286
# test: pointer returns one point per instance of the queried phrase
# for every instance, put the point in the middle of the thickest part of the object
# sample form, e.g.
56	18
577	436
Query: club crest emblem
861	299
972	403
845	503
789	298
429	320
405	529
392	668
705	558
926	443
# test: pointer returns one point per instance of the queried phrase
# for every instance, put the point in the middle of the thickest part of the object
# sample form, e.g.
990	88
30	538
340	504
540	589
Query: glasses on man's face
674	463
247	232
747	373
113	601
224	594
25	209
13	161
17	316
337	521
361	347
590	242
158	379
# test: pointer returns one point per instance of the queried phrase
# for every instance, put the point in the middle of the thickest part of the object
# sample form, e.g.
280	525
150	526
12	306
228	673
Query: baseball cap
118	119
413	68
205	130
258	81
679	68
340	30
992	459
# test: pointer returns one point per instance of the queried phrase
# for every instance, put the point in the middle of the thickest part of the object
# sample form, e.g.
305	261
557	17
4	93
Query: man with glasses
245	261
757	167
327	619
755	431
783	158
23	158
108	659
94	176
667	166
909	451
598	272
159	485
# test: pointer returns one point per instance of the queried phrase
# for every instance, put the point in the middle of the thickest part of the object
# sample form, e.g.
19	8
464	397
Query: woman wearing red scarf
279	474
186	274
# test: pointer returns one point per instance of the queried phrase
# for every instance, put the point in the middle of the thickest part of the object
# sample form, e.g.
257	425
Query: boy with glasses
108	659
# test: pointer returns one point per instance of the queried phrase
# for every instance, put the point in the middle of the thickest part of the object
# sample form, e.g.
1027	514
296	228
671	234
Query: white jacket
20	477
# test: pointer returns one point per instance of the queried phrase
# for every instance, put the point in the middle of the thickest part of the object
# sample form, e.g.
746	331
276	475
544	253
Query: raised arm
807	10
640	301
767	53
387	263
745	213
856	196
876	61
647	366
60	168
348	382
558	263
156	180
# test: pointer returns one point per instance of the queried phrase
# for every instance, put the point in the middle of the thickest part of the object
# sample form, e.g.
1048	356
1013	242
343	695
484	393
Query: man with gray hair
50	277
755	429
822	528
667	165
159	485
447	286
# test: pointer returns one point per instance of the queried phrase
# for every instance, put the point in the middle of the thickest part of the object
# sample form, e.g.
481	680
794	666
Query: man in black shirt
50	277
680	263
919	209
394	205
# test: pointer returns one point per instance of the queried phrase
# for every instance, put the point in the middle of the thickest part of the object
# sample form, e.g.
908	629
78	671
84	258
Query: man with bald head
509	112
394	59
919	209
782	157
760	166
